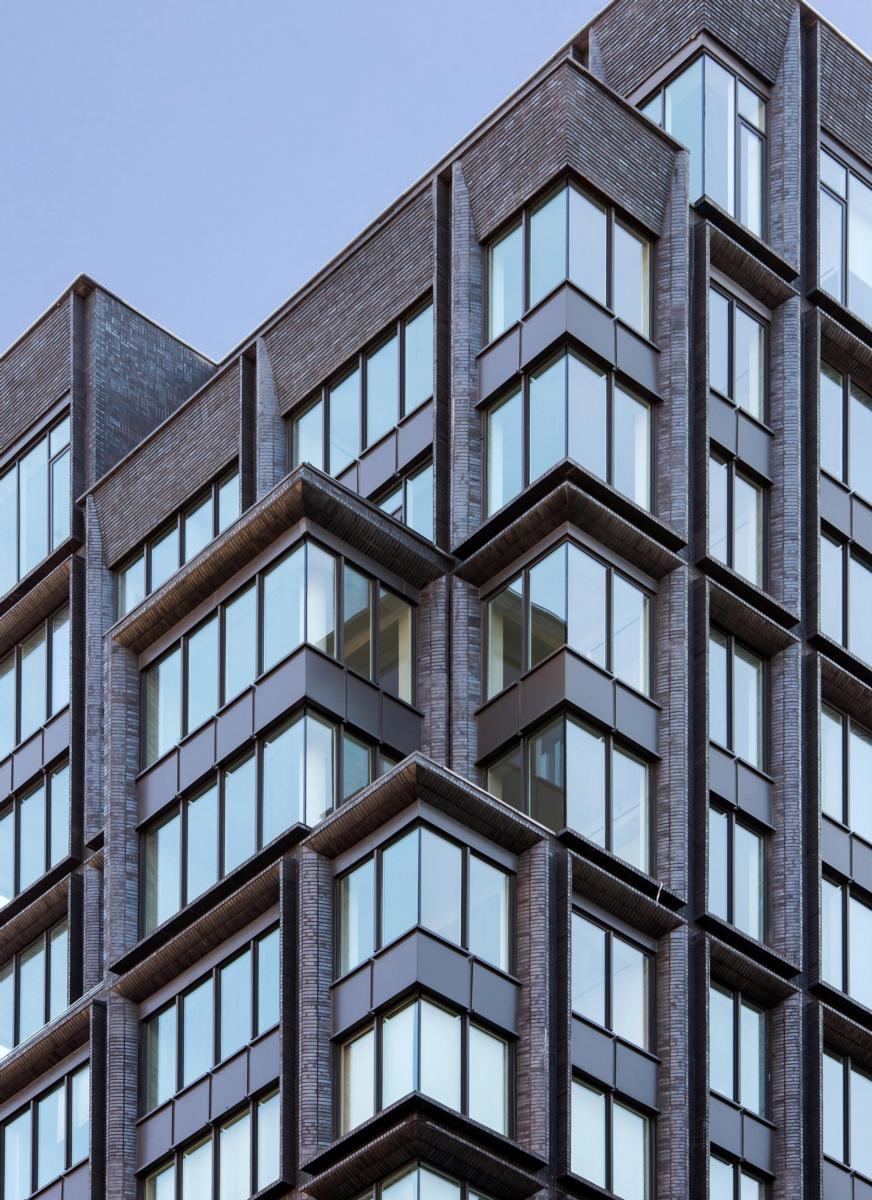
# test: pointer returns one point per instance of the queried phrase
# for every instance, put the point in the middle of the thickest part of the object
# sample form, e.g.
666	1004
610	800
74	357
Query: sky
204	158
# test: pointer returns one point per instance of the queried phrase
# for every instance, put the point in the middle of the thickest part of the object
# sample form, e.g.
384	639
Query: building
435	740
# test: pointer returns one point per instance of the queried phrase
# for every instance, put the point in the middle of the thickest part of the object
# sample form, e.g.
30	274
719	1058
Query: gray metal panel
5	778
725	1126
499	363
837	1182
754	793
325	682
861	523
401	728
159	786
861	863
56	736
395	969
444	970
196	756
757	1142
235	725
499	720
754	444
362	707
590	690
77	1185
415	435
27	761
590	325
154	1135
352	998
723	424
636	718
264	1061
377	466
636	358
722	774
229	1084
835	505
593	1052
835	847
191	1111
495	997
546	325
284	687
635	1075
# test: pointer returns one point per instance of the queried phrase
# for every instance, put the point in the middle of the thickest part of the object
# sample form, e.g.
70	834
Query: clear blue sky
203	158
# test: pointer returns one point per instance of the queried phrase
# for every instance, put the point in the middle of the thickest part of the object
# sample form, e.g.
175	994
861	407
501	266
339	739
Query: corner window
845	430
34	833
579	778
737	354
737	1049
846	930
736	884
412	501
424	879
611	981
34	681
421	1049
570	235
846	768
722	122
35	501
420	1183
48	1137
34	987
610	1142
845	597
736	676
729	1181
846	235
568	408
736	508
847	1105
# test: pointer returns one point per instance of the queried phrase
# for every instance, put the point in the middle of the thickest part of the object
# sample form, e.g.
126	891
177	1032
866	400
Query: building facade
435	741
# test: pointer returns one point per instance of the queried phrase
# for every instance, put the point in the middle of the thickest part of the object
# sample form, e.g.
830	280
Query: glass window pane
357	621
441	885
547	583
653	110
751	176
202	682
7	704
860	445
505	279
748	705
202	831
60	661
419	502
58	954
228	501
240	643
393	503
268	959
160	1058
162	1184
199	525
163	706
320	599
395	644
358	1080
720	132
832	917
586	769
860	250
748	882
8	529
547	435
859	775
31	837
404	1188
440	1054
751	106
344	422
504	638
588	235
752	1067
833	174
630	640
834	1107
488	912
17	1169
588	969
197	1025
320	760
832	244
7	1008
356	764
721	1042
748	529
588	1134
382	390
859	958
31	990
488	1080
718	901
630	809
434	1187
164	557
748	362
284	589
235	980
631	285
504	779
832	764
60	499
197	1170
548	778
308	437
859	607
234	1156
505	453
51	1123
631	472
683	119
283	766
630	1149
33	506
547	246
587	612
7	859
399	887
587	416
831	596
418	364
719	342
33	700
719	483
162	872
860	1106
268	1140
80	1087
399	1054
720	1179
629	992
240	816
356	916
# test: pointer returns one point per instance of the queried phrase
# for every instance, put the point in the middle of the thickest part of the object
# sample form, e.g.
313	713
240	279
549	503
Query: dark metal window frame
739	1001
849	726
177	1003
46	624
847	384
849	1065
45	939
14	464
612	1097
762	834
848	550
612	933
32	1106
13	807
376	856
358	363
729	700
739	1171
852	166
763	319
729	460
401	485
466	1191
847	892
522	220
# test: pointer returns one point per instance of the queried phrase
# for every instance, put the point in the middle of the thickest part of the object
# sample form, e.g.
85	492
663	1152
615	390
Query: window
611	981
846	767
845	429
736	872
569	235
420	1183
737	354
33	987
736	697
189	531
580	778
845	597
736	507
236	1003
422	1047
847	1104
411	501
608	620
48	1137
302	597
610	1143
846	930
722	121
35	501
568	408
34	833
385	384
846	235
235	1160
737	1049
729	1181
34	681
424	879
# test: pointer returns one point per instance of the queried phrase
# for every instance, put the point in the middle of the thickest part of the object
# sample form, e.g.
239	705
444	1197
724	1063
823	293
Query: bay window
35	681
846	768
34	833
729	1181
737	1049
846	234
611	981
420	1183
847	1113
737	353
736	509
845	430
412	501
737	875
610	1142
48	1137
845	596
846	934
736	697
35	501
34	987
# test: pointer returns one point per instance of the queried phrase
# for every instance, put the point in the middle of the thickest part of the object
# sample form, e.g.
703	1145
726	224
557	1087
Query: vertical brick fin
122	1097
846	93
271	436
442	309
99	613
671	690
785	418
80	389
786	736
699	1067
673	1047
465	677
786	1048
594	57
699	383
467	325
248	431
94	965
288	991
315	957
98	1082
75	940
811	356
560	1091
535	948
431	643
698	786
811	115
35	372
785	149
121	732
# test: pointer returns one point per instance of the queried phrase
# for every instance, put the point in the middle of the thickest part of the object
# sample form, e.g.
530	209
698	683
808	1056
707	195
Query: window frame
739	1172
848	551
611	1097
399	511
465	1191
15	652
734	818
735	468
623	934
848	727
738	1001
745	303
13	463
847	893
852	166
44	939
764	732
65	1081
12	807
